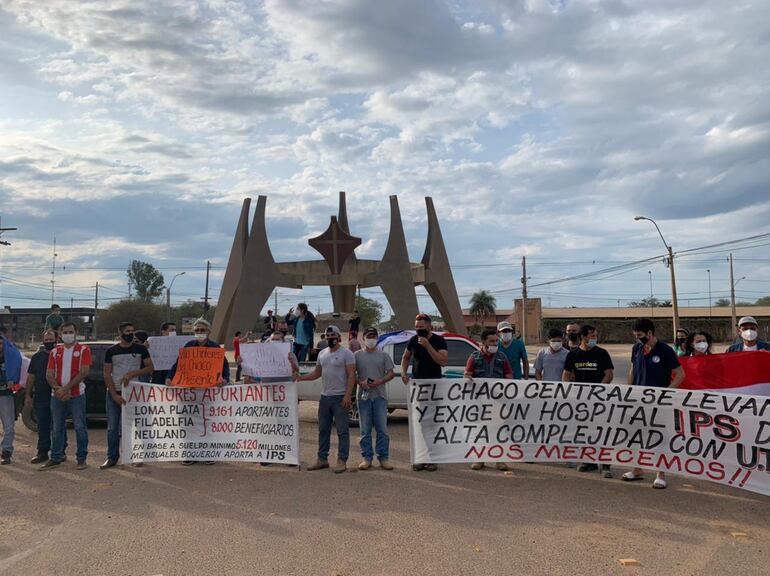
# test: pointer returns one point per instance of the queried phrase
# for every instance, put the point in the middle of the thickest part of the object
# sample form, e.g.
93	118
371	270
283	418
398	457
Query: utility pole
709	273
96	307
652	298
732	293
524	300
275	306
673	290
206	297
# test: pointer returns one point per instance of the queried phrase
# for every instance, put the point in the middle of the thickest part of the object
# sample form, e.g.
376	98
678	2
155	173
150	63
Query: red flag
733	373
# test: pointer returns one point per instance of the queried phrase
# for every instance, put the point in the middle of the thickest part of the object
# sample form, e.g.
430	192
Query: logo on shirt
655	359
76	354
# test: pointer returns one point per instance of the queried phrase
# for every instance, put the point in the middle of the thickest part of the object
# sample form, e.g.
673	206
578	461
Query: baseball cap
747	320
371	330
504	326
333	328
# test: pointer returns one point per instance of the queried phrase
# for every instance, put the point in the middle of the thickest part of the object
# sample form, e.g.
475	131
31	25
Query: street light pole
709	273
674	302
652	298
168	296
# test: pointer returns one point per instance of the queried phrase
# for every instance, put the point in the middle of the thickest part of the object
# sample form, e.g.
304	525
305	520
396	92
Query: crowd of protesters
356	373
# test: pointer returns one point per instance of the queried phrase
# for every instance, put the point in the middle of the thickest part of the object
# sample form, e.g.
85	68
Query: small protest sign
164	350
199	367
268	360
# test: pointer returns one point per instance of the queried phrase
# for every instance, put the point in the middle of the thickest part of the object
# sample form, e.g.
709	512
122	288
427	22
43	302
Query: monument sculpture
252	273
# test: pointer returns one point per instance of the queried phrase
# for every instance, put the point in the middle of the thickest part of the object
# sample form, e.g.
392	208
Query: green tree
146	279
725	302
722	302
145	316
483	304
369	310
764	301
650	302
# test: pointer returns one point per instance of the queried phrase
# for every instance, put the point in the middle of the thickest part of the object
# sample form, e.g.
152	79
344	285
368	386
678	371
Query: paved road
245	519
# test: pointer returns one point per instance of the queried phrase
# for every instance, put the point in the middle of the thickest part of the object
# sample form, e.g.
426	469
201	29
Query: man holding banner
653	363
201	329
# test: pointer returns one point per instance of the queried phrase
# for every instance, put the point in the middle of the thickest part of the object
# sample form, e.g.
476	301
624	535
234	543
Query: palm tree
483	304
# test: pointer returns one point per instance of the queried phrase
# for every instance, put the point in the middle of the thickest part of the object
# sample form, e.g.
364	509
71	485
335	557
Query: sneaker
587	467
108	463
659	483
386	465
5	458
502	466
49	464
319	465
606	471
39	459
431	467
418	467
340	467
82	465
477	466
365	464
631	477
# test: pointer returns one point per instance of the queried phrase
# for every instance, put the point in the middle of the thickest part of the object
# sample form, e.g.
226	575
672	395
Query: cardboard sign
199	367
268	360
164	350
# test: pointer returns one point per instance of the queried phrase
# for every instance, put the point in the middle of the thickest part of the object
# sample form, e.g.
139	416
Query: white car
393	344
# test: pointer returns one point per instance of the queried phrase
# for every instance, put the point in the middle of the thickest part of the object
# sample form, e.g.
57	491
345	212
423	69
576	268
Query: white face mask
492	349
506	337
749	335
555	345
201	336
371	342
701	346
296	313
172	333
68	338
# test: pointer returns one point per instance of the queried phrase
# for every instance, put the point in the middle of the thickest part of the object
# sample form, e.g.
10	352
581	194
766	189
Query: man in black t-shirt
126	360
428	353
589	363
38	395
355	323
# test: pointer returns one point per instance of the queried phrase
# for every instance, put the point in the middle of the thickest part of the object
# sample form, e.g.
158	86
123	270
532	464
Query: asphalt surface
246	519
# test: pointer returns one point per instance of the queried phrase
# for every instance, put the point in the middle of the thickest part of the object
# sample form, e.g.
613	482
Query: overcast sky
540	128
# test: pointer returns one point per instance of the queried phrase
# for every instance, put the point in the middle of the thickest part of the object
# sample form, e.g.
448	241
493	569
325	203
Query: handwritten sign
268	360
164	350
241	423
199	367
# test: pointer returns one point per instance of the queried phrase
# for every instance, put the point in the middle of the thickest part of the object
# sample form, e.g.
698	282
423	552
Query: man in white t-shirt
336	366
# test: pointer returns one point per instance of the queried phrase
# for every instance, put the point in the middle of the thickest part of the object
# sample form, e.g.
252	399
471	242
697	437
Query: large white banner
244	422
266	360
164	350
723	438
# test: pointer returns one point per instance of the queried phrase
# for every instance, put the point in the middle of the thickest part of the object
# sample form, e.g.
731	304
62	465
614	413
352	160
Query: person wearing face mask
38	396
514	350
127	360
572	336
336	366
680	342
589	363
653	363
10	376
374	369
549	363
428	353
201	331
488	362
303	324
698	344
166	329
750	342
68	366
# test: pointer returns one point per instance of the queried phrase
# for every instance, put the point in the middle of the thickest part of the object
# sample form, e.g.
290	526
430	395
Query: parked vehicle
459	348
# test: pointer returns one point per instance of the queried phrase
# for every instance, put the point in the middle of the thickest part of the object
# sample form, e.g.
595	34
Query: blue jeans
330	408
113	427
77	408
300	351
42	408
374	411
8	417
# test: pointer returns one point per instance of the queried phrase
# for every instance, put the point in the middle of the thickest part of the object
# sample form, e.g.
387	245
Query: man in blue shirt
514	350
653	363
750	342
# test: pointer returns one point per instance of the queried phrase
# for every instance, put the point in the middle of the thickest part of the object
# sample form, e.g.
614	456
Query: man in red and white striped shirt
68	366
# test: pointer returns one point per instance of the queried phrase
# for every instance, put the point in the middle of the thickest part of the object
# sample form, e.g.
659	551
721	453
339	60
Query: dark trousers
42	410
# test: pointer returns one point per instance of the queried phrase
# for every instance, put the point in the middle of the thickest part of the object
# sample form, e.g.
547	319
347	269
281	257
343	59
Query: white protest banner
164	350
268	360
723	438
240	423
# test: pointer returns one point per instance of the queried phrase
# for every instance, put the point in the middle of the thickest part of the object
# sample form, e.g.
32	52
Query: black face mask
332	342
573	337
128	337
422	332
49	345
644	340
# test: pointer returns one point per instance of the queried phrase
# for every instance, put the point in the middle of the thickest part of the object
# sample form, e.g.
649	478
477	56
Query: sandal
631	477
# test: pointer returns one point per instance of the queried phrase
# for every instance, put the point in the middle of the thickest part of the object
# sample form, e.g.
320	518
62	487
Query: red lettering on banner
569	453
645	458
625	460
605	454
548	450
588	453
